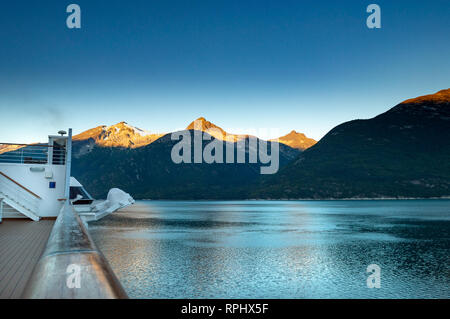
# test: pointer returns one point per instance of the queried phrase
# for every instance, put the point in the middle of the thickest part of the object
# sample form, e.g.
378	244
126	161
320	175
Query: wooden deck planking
21	244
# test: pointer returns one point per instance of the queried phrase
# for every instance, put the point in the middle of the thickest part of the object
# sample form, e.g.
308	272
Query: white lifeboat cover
116	199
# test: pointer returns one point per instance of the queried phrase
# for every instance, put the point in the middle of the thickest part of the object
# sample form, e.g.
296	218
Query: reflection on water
278	249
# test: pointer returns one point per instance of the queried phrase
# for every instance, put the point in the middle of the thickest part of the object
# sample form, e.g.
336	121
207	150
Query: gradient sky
303	65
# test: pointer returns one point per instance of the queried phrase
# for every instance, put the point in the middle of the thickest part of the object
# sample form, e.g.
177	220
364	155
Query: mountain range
404	152
119	156
127	136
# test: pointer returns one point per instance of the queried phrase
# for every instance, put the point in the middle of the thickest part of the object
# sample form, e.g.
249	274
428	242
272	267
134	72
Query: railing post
1	210
50	155
68	165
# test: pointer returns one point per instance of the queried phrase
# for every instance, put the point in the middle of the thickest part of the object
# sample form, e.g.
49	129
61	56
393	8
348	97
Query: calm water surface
279	249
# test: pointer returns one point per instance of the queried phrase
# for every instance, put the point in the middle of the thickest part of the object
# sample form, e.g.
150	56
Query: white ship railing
31	154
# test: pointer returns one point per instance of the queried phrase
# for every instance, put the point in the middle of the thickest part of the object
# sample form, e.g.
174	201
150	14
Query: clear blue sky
304	65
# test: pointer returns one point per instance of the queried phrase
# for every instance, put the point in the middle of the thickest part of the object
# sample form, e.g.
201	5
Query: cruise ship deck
22	242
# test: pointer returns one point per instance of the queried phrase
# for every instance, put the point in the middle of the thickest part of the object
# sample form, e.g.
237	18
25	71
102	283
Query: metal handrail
72	255
21	186
18	144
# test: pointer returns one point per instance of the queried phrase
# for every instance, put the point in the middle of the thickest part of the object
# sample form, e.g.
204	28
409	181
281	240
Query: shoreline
301	199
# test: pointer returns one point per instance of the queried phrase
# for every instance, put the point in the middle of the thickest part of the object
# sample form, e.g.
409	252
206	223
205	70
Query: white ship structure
34	178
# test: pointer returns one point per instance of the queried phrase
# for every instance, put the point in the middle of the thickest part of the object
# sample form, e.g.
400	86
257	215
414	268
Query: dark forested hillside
404	152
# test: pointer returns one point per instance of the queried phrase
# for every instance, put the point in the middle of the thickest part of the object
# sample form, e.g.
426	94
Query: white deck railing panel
18	197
